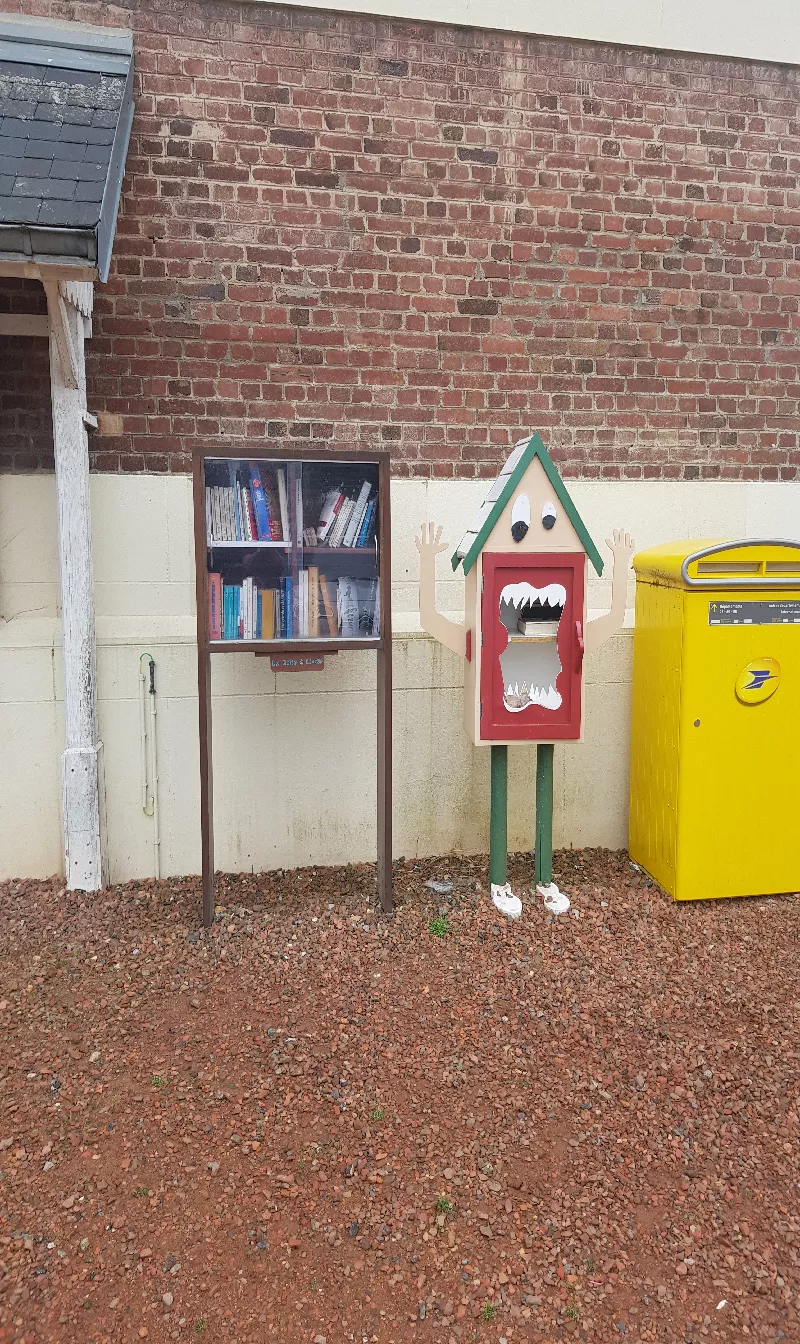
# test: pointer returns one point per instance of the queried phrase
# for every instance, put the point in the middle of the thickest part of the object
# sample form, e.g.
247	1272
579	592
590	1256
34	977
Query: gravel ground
316	1122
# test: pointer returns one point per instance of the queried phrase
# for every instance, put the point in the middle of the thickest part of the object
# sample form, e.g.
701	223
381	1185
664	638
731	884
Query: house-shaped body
525	559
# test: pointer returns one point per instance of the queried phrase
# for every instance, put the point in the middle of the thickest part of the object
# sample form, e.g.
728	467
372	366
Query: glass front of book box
292	549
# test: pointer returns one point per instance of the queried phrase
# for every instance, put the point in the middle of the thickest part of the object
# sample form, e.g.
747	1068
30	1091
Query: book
356	515
359	515
327	514
267	598
288	608
283	504
259	615
375	603
214	604
361	539
341	501
373	524
329	602
342	521
260	505
301	630
276	532
312	574
542	629
348	608
248	609
250	517
238	531
298	498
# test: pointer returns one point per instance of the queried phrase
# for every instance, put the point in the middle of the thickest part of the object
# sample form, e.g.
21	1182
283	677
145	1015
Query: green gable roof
503	488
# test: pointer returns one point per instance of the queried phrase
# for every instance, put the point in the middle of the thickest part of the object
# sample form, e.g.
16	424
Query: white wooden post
69	307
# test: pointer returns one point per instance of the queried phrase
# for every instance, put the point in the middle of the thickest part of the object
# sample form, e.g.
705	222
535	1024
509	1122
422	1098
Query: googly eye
548	515
520	517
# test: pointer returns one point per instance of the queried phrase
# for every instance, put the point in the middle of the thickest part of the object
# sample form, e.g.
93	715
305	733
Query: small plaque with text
298	662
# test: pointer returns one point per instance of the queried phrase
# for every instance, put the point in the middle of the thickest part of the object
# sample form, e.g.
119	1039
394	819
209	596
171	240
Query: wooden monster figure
525	560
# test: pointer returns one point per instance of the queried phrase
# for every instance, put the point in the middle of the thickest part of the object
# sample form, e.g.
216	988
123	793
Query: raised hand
622	546
429	543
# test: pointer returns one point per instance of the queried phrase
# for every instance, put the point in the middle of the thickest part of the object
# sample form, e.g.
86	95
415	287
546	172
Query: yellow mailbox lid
717	563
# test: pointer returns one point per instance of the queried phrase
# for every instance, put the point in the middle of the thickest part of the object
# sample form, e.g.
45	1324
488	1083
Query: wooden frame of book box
381	644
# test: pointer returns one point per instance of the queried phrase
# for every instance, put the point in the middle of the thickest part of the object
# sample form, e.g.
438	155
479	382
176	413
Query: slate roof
66	108
514	468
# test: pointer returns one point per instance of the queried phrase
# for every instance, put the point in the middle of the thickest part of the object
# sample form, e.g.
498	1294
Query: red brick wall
368	232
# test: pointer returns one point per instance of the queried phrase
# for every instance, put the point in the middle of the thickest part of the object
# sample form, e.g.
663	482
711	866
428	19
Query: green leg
544	814
498	826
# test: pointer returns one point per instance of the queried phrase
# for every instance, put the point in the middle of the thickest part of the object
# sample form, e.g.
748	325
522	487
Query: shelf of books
292	550
293	554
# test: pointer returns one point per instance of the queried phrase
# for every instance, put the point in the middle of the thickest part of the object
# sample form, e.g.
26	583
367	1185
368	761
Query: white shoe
506	902
554	900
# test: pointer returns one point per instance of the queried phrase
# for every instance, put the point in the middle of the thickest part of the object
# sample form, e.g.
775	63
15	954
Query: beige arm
446	632
603	627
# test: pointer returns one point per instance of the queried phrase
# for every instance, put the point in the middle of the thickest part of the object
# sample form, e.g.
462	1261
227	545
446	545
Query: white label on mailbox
754	613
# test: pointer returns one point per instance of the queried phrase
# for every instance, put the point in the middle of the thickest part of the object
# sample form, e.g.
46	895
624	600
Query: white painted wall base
294	754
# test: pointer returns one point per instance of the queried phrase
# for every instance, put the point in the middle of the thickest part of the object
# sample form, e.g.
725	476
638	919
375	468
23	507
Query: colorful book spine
288	612
276	531
372	525
238	530
342	521
214	601
327	514
357	516
361	539
283	500
260	504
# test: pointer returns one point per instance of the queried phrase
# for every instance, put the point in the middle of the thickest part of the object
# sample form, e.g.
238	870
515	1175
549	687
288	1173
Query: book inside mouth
530	664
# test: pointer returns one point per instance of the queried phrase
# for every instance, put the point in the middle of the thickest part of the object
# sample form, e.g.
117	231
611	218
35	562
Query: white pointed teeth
546	696
524	594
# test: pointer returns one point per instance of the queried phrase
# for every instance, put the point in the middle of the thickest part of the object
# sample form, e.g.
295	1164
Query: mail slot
716	717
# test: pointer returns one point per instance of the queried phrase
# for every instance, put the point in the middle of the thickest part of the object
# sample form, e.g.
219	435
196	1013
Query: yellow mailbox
715	752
